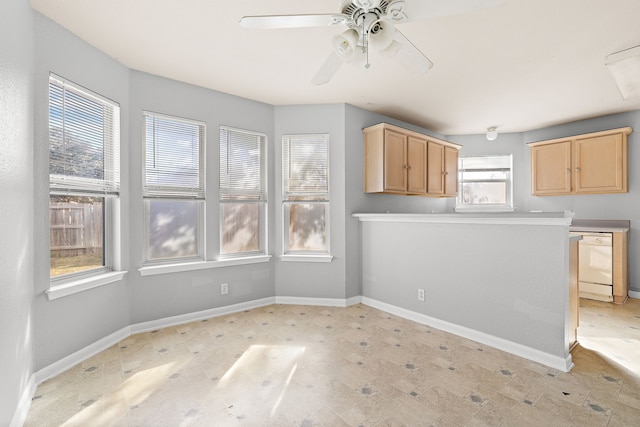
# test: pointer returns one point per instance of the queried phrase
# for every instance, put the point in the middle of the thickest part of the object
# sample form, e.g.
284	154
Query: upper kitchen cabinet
400	161
593	163
442	167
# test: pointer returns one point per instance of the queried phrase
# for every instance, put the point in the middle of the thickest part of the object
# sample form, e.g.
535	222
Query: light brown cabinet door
598	164
416	165
395	161
450	171
551	169
435	168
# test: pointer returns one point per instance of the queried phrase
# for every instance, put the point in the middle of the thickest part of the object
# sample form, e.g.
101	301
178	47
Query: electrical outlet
224	288
420	294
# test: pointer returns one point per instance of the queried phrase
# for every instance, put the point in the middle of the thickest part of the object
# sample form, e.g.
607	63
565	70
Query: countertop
600	225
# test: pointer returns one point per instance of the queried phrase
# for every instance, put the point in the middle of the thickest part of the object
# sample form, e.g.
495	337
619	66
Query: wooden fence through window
76	228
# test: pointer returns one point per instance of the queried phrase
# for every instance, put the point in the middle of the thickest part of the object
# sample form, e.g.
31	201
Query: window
305	183
84	179
485	183
173	188
243	193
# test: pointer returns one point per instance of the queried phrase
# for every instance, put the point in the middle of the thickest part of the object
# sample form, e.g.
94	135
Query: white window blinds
242	163
305	165
174	157
84	140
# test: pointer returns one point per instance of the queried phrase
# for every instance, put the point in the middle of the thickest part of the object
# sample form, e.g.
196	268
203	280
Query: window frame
290	197
107	187
167	193
235	196
493	207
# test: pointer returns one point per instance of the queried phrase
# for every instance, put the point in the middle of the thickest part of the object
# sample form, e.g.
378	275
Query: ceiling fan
371	24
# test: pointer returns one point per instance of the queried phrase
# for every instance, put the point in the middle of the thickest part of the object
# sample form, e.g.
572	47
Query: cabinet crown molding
383	125
625	131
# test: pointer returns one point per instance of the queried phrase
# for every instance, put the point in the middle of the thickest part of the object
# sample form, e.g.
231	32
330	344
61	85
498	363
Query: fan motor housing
355	8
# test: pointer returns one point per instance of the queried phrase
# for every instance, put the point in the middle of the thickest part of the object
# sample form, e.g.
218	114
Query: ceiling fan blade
328	69
416	10
291	21
408	54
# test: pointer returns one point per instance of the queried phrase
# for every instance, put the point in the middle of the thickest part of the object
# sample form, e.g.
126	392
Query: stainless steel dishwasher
595	271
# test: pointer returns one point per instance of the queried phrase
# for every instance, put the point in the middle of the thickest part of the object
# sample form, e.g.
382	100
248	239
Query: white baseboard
81	355
321	302
102	344
353	300
24	404
634	294
556	362
199	315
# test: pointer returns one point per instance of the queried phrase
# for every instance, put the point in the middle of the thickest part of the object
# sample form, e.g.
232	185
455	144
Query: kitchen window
173	190
485	183
305	179
243	193
84	183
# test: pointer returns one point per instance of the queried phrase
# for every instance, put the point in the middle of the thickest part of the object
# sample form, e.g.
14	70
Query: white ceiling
524	65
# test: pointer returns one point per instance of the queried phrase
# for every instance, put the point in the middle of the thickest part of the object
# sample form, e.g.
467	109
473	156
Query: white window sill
201	265
70	288
306	258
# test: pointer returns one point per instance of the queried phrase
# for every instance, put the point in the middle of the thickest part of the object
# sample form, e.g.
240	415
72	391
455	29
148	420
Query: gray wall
357	201
344	123
474	276
590	206
160	296
68	324
16	205
306	279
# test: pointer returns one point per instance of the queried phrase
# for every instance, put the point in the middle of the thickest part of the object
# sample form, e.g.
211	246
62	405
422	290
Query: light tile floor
285	365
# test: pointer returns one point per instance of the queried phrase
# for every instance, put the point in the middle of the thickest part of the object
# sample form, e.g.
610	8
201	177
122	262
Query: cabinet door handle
577	169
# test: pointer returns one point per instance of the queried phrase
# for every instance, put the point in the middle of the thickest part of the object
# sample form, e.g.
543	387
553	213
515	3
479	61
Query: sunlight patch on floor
272	364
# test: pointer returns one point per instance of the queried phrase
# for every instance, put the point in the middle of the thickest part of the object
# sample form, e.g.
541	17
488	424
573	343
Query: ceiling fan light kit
371	23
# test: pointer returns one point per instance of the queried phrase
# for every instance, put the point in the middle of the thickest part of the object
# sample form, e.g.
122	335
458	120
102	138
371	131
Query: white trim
354	300
229	262
556	362
151	270
319	302
24	404
181	319
306	258
548	218
81	355
634	294
70	288
102	344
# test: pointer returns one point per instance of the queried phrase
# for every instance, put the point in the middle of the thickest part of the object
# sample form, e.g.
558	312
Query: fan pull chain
366	45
